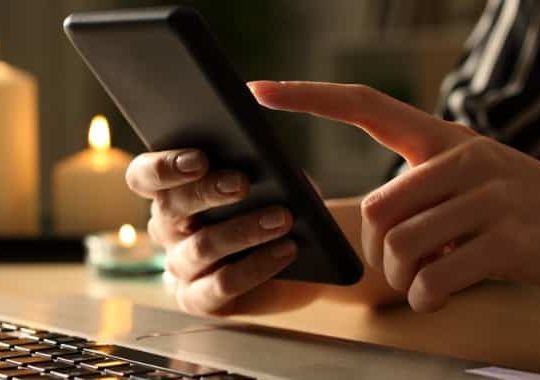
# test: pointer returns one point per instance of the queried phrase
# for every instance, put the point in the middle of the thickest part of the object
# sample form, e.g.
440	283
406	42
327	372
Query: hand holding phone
181	185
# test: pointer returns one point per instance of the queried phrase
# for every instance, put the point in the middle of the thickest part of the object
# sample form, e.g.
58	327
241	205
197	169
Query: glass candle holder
126	252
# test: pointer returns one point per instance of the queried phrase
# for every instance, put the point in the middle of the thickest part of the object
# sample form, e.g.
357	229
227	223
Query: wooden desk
496	322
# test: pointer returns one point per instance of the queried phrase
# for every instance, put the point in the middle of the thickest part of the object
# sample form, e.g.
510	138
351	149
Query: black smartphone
167	74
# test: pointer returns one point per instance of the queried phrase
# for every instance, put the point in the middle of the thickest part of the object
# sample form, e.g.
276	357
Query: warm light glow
99	136
127	235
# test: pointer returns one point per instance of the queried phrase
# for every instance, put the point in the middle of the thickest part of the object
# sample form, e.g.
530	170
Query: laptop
83	338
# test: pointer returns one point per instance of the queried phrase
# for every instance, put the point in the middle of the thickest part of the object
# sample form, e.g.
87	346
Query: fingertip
130	175
289	219
266	92
291	247
261	85
276	219
232	184
192	162
421	303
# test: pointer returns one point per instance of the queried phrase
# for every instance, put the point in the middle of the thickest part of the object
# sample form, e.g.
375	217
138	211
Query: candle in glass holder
90	193
127	251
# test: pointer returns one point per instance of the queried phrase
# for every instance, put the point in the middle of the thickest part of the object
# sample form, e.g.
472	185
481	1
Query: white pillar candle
89	189
18	153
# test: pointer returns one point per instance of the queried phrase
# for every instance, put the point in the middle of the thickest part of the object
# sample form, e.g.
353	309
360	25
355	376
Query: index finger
151	172
413	134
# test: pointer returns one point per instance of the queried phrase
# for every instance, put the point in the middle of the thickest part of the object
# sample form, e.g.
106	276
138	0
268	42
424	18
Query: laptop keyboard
28	354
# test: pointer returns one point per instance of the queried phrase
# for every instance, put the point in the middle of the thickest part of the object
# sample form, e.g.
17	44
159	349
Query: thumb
415	135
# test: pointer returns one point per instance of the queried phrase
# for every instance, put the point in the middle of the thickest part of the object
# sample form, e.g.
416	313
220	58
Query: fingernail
272	219
189	162
229	183
284	251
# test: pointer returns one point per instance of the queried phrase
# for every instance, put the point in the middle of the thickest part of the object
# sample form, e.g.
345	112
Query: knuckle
427	286
152	231
395	244
184	303
154	208
371	207
200	193
495	193
244	234
466	157
172	205
132	173
202	246
163	204
173	266
224	284
500	188
363	93
461	128
163	167
477	151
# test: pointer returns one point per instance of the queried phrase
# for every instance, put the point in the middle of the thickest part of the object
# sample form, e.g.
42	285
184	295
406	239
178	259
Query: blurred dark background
401	47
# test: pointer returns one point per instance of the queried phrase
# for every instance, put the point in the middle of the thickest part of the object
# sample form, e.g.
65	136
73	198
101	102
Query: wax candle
89	189
18	153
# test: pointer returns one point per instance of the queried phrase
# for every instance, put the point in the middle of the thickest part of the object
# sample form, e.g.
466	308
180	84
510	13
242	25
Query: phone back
167	75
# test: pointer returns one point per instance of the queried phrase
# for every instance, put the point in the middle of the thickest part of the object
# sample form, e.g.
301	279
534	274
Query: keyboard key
5	344
4	365
67	373
27	336
179	366
105	349
156	375
8	335
79	357
62	356
9	373
11	354
10	343
28	360
103	363
43	335
48	366
30	330
79	345
63	339
127	370
30	348
54	352
9	326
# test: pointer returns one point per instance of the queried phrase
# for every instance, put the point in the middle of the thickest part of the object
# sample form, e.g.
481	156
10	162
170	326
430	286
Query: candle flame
127	235
99	137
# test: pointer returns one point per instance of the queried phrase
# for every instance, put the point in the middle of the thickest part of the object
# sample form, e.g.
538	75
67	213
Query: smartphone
165	71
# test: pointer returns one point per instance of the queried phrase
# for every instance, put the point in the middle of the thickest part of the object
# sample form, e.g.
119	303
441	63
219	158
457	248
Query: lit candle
125	251
89	190
19	153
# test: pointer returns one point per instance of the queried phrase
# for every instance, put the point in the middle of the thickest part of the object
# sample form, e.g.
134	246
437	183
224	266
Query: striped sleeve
495	87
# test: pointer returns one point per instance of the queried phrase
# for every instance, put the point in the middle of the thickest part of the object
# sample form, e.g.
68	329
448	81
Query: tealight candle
127	251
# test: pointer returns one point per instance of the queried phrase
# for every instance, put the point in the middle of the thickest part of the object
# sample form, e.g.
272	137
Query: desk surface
496	322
